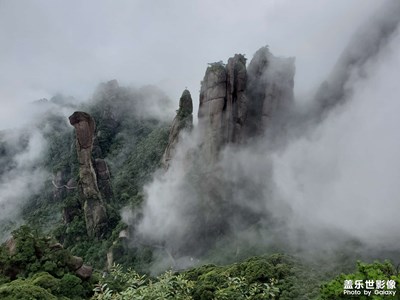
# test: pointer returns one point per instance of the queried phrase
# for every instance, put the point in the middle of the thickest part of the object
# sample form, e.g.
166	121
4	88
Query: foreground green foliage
265	277
131	285
256	278
374	271
24	290
33	266
135	286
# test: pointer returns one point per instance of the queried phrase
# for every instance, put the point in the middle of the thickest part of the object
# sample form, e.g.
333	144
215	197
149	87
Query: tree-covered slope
130	140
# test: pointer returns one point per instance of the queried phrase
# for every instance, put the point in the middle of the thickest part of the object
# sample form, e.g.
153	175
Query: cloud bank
331	182
69	47
20	177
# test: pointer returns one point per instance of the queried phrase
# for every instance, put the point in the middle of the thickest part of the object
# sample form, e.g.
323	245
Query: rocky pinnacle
95	212
183	120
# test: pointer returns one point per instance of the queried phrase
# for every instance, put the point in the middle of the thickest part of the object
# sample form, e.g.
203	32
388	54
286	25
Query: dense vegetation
131	144
34	266
384	273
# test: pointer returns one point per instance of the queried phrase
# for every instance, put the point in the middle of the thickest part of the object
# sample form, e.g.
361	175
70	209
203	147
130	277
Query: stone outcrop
118	249
70	211
223	104
236	99
211	109
103	178
183	120
110	258
74	263
270	91
11	246
56	246
94	209
84	272
53	250
237	104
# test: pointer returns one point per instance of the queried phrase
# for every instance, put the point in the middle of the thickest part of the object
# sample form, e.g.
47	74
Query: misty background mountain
266	167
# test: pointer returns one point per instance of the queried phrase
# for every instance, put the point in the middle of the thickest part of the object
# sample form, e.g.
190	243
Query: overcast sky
50	46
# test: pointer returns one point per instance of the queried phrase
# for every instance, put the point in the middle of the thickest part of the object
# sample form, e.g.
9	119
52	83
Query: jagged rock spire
183	120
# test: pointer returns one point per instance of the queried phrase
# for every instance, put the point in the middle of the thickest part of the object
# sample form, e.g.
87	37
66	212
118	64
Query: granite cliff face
270	91
237	104
223	105
183	120
94	209
103	178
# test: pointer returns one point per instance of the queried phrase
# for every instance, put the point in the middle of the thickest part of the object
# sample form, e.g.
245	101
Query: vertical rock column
270	90
95	212
222	113
236	100
223	105
211	110
103	179
237	104
183	120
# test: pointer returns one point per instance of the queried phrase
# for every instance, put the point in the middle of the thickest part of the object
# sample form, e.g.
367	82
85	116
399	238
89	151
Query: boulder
75	263
84	272
56	246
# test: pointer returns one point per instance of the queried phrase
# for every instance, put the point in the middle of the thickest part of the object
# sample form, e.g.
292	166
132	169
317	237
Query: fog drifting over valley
332	181
336	172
